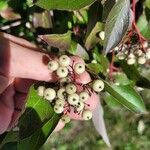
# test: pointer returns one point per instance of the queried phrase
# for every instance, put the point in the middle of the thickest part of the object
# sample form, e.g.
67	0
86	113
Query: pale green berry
62	72
98	85
79	68
80	106
65	119
121	56
139	52
141	60
131	55
64	60
116	48
60	102
53	65
41	90
84	96
73	99
102	35
87	114
71	88
61	93
131	61
65	80
58	109
49	94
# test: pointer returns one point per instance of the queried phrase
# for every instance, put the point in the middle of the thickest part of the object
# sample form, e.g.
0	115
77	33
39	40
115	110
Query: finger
19	41
6	108
23	85
20	100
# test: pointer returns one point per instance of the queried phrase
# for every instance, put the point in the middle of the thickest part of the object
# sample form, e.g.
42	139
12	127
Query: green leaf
3	4
37	122
38	138
101	59
126	96
144	26
93	39
133	74
147	3
63	4
60	41
9	137
95	67
34	116
117	24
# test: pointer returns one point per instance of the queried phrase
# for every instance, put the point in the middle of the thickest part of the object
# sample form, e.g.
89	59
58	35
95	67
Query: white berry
73	99
58	109
60	102
41	90
121	56
84	96
61	93
62	72
131	55
139	52
87	114
65	80
79	68
64	60
79	106
102	35
53	65
141	60
98	85
49	94
71	88
65	119
131	61
145	44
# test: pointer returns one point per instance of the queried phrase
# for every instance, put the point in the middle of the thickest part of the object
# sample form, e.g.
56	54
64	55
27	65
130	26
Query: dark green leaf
63	4
37	112
133	74
60	41
93	39
127	96
95	67
117	24
38	138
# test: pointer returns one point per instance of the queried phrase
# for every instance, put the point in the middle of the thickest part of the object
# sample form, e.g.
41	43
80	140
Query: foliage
73	27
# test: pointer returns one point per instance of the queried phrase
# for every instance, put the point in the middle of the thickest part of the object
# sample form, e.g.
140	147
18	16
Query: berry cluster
133	54
65	95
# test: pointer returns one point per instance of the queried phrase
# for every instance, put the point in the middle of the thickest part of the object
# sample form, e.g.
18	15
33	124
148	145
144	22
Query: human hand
21	65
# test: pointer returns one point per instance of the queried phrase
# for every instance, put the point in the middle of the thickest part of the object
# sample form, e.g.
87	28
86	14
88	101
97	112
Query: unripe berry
79	68
141	60
98	85
102	35
65	119
83	96
60	102
58	109
139	52
62	72
131	55
71	88
65	80
49	94
87	114
79	106
131	61
121	56
61	93
41	90
73	99
53	65
64	60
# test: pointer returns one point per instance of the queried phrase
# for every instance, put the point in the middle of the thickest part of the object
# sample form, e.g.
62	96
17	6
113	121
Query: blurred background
126	130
